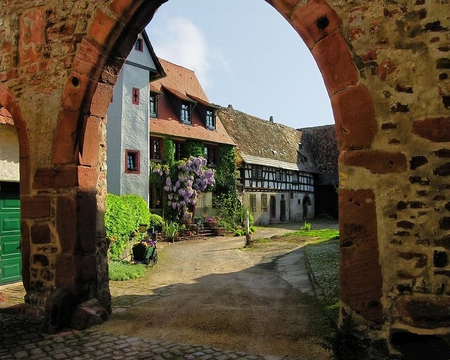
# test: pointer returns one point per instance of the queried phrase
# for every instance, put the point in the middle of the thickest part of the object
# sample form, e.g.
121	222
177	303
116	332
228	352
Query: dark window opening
178	151
132	161
153	105
185	114
155	149
210	155
210	124
139	45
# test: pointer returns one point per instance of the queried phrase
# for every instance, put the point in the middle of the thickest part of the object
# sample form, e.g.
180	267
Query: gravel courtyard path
215	293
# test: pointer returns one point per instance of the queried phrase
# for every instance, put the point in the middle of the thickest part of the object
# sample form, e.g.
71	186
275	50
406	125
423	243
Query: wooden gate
10	256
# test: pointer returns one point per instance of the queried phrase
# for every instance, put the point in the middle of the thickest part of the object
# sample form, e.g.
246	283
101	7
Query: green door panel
10	256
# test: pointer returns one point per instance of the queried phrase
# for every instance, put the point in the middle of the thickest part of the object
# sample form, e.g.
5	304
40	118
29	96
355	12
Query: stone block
66	223
377	162
101	99
41	234
88	314
35	207
423	312
314	21
284	7
91	140
86	221
101	28
355	118
433	129
64	149
87	177
361	280
336	64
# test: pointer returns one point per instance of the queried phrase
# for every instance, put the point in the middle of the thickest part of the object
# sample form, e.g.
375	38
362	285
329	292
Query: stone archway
392	119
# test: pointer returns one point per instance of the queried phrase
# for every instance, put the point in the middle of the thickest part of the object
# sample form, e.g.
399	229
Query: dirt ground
216	293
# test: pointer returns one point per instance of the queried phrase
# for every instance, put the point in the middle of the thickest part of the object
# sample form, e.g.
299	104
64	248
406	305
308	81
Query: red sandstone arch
100	58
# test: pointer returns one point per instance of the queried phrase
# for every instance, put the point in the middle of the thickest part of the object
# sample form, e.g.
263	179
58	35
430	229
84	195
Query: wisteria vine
192	178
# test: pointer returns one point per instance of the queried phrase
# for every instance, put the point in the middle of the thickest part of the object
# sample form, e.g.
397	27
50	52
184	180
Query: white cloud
185	44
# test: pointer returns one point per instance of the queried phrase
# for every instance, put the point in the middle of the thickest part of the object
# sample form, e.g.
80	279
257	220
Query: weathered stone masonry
386	66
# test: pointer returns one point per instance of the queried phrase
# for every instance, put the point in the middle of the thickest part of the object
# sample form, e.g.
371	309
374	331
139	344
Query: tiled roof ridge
176	65
253	117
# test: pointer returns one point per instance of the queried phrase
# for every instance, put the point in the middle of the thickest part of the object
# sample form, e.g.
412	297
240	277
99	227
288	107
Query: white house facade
128	122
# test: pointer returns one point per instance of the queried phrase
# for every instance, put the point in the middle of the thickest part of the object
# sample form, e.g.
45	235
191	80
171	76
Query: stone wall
386	67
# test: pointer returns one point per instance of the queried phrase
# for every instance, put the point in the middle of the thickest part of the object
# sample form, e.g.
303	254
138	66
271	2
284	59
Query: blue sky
244	54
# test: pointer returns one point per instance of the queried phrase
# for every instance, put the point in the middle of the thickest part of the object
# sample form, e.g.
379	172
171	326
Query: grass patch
121	271
262	240
318	235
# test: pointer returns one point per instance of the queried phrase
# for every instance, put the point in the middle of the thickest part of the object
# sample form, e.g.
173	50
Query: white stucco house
128	122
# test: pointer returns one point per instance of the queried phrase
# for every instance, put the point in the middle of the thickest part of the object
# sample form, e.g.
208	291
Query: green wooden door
10	257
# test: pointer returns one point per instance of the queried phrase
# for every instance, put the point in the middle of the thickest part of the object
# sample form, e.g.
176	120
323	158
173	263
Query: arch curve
8	102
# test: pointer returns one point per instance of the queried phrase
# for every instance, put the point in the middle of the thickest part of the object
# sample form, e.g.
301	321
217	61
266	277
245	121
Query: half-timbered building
276	177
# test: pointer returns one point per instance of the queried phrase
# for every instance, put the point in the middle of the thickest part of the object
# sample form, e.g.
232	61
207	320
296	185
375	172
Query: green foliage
316	235
193	148
118	224
172	230
226	171
121	271
156	222
168	155
140	211
306	227
123	216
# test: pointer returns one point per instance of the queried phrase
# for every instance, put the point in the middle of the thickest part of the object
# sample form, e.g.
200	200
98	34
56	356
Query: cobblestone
15	343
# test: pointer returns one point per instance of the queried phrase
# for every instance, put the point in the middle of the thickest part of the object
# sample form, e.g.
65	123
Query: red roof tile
184	84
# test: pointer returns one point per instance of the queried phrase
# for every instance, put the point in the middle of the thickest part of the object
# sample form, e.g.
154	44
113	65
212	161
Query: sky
244	53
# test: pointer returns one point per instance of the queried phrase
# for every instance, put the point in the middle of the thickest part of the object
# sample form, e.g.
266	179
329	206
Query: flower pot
139	252
220	231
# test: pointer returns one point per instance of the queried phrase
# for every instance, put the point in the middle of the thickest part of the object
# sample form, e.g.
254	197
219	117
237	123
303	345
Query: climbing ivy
225	196
193	148
168	155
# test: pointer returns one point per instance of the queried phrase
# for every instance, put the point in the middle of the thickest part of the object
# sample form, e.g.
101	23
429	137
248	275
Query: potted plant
172	231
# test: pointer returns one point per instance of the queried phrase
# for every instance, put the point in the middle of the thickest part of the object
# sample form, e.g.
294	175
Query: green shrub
140	211
306	227
123	216
156	222
121	271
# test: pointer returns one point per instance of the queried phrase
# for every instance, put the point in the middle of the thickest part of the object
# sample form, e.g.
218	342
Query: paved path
20	338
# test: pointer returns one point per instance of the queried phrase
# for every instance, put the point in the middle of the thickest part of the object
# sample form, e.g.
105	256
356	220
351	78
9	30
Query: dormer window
153	105
209	121
185	113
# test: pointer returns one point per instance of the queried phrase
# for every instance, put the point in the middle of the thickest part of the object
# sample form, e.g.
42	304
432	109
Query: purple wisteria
193	178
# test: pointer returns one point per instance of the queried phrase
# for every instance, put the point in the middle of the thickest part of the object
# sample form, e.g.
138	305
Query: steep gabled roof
5	117
159	69
184	85
264	142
